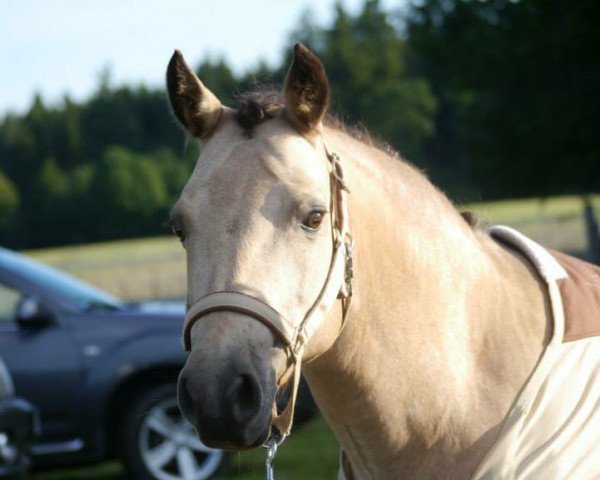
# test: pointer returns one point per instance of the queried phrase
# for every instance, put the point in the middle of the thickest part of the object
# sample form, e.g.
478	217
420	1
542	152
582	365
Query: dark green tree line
492	98
517	84
106	168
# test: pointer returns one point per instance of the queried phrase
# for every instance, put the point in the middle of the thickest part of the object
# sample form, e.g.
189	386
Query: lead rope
271	447
342	239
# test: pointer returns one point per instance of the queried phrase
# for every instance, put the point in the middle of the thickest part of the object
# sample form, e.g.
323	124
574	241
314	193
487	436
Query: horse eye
313	221
178	231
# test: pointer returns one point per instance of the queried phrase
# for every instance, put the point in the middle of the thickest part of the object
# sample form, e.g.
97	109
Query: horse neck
438	341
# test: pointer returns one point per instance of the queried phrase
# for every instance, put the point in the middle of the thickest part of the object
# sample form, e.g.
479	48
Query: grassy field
155	267
131	269
556	222
310	452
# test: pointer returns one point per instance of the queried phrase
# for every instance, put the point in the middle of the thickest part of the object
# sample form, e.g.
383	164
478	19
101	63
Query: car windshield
59	283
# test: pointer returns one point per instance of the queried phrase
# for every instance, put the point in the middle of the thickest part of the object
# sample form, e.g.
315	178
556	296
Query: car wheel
157	443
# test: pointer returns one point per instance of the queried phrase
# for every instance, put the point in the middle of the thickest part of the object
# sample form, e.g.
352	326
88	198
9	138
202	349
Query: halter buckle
349	268
299	340
336	170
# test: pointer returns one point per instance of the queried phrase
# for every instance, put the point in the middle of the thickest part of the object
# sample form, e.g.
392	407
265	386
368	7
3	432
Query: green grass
555	222
103	471
310	452
531	209
131	269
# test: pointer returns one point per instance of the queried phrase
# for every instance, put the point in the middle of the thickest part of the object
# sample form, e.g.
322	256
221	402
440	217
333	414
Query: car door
42	360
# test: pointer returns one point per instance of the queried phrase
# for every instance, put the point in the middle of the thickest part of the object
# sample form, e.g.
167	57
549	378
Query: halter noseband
338	285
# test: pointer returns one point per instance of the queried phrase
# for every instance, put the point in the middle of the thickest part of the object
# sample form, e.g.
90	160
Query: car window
9	302
59	283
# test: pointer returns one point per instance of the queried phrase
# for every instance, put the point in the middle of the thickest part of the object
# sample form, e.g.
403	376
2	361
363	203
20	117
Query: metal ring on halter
271	447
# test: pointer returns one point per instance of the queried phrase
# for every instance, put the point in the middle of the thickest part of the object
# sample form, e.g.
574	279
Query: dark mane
474	221
261	104
256	106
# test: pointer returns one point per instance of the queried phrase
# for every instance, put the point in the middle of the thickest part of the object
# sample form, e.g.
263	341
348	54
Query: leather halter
338	285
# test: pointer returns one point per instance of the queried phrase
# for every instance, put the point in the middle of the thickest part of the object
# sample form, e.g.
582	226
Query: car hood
158	307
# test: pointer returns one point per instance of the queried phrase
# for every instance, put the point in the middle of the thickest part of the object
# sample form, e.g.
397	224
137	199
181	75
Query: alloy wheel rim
170	447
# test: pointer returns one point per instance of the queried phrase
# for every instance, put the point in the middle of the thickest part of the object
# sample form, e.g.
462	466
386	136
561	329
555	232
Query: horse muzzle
228	398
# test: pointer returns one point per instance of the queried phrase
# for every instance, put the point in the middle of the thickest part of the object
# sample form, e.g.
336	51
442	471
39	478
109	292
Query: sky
56	47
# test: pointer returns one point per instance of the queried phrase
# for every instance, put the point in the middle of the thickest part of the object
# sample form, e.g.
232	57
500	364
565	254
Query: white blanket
552	431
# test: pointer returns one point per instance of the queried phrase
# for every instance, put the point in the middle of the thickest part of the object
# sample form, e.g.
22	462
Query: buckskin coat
552	430
449	325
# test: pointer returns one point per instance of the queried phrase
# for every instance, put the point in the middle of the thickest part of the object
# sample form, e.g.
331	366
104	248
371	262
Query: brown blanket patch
581	297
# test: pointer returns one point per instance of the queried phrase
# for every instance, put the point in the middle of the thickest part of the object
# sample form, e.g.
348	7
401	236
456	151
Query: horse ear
195	106
306	90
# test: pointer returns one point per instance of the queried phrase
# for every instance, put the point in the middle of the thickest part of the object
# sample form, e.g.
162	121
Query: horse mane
263	103
474	221
256	106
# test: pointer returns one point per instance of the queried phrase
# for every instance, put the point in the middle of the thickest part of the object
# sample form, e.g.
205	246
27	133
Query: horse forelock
257	106
264	103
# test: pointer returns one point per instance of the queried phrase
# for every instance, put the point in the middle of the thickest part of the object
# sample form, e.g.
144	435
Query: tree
217	76
516	83
366	64
494	98
9	201
130	194
133	181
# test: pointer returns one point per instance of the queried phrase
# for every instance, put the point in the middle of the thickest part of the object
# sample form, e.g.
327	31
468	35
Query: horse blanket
552	430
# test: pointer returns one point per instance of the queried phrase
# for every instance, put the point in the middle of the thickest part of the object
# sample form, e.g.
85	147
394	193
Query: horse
311	246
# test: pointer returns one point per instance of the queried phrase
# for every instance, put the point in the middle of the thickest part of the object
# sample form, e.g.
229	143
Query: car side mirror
32	312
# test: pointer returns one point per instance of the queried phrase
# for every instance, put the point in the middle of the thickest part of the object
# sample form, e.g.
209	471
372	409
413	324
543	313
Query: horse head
255	219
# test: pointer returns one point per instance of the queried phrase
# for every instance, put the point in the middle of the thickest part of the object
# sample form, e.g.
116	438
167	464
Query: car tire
157	443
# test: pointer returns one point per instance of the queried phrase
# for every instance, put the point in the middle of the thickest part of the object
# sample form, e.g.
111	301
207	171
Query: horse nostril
186	404
245	395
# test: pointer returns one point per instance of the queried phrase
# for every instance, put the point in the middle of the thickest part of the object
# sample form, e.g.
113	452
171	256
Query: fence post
592	230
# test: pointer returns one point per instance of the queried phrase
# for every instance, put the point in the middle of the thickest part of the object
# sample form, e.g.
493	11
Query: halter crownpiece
338	285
